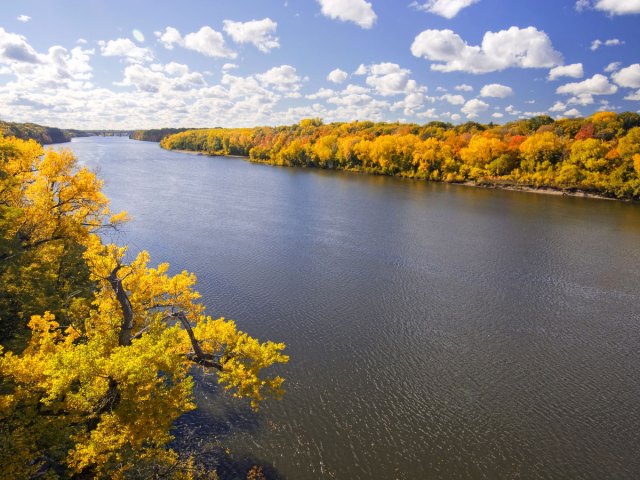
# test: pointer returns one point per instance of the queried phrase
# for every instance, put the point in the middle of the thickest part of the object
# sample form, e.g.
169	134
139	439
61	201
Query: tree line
97	346
41	134
599	154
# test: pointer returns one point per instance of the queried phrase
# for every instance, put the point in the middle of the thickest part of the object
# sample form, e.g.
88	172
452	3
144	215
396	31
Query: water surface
435	331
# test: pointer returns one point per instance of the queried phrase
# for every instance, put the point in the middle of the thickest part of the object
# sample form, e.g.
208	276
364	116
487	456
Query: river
435	331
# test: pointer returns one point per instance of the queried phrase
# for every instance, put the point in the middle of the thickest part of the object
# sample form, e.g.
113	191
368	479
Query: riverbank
513	187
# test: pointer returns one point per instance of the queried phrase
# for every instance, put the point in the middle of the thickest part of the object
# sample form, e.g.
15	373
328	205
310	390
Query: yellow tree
95	391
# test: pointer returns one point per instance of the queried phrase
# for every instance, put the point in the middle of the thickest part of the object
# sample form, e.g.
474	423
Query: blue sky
205	63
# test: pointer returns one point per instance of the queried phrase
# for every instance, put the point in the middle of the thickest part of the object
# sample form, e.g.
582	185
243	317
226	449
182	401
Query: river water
435	331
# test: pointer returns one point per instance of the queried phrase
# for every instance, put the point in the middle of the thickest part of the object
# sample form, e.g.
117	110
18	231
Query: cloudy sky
199	63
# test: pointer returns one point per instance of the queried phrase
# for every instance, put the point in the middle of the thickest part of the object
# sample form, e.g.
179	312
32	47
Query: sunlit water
435	331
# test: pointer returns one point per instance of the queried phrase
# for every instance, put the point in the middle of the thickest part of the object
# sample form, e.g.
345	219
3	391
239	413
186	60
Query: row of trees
599	154
96	346
155	134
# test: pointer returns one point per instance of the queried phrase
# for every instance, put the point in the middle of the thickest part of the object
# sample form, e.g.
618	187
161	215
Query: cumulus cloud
284	79
388	78
584	91
445	8
558	107
474	107
515	47
453	99
463	88
23	18
206	41
612	42
633	96
361	70
124	47
572	113
359	12
156	78
321	94
496	90
14	48
411	103
611	7
337	76
628	77
260	33
612	67
575	70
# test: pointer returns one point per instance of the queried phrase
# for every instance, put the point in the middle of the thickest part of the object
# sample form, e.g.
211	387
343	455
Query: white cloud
260	33
583	91
445	8
337	76
23	18
474	107
455	117
170	37
463	88
359	12
612	7
410	104
206	41
283	79
612	42
14	48
167	78
453	99
321	94
558	107
362	70
388	78
124	47
497	115
572	113
515	47
583	99
612	67
628	77
574	70
633	96
512	110
496	90
229	66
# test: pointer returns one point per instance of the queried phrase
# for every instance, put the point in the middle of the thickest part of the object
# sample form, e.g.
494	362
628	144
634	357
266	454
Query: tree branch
197	356
124	338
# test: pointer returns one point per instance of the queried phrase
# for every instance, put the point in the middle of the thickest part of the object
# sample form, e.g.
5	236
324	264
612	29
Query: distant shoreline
512	187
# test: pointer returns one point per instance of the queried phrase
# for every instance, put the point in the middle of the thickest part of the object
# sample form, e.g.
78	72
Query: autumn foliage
98	346
595	154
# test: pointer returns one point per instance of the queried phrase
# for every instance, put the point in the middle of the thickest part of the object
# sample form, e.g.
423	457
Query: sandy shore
540	190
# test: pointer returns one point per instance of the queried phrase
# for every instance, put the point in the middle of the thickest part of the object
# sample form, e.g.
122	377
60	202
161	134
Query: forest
39	133
597	155
97	346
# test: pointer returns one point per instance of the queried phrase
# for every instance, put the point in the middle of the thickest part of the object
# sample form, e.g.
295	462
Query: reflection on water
435	331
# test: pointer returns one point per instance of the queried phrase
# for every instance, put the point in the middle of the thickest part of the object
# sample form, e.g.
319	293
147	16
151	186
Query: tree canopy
98	347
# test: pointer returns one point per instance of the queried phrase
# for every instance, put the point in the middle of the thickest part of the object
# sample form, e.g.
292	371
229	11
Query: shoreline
512	187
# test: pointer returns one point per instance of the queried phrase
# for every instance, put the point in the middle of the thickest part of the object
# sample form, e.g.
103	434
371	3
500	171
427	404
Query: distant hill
156	134
39	133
